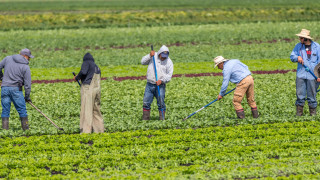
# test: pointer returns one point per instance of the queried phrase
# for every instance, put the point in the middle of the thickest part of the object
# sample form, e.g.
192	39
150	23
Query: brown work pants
90	115
244	87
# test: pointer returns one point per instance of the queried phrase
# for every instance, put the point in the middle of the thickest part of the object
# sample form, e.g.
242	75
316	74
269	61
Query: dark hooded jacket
88	69
16	73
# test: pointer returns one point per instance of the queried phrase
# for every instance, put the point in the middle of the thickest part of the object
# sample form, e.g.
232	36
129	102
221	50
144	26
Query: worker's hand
300	60
152	53
28	100
219	97
158	82
318	80
74	78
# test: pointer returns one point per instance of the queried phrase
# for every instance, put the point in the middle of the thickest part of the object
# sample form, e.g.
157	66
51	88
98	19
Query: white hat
304	33
219	59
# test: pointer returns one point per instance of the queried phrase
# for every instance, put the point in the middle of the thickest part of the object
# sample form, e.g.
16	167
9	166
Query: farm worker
90	115
164	68
16	74
236	72
306	52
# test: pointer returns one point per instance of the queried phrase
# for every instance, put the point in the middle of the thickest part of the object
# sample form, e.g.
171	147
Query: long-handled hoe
61	129
308	70
74	74
207	105
155	71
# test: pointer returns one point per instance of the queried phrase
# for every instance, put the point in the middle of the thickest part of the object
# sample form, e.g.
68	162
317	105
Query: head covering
304	33
219	59
165	54
162	50
88	57
26	52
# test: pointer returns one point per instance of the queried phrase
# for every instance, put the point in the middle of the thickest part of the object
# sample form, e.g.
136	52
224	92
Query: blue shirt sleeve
225	82
294	54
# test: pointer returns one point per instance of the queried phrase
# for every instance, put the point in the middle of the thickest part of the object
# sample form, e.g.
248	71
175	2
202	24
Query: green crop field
212	144
280	150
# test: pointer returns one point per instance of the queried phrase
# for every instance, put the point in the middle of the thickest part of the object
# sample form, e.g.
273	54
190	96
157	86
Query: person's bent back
16	75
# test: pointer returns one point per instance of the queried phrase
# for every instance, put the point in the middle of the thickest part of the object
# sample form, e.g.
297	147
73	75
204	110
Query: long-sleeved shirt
300	50
88	69
164	68
16	73
233	71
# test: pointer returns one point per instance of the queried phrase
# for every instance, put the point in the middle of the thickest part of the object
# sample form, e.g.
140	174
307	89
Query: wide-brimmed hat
317	70
219	59
304	33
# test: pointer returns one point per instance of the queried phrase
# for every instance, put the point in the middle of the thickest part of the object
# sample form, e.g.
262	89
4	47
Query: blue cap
26	52
165	54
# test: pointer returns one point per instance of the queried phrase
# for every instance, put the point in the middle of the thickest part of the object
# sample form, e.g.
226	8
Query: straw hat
304	33
219	59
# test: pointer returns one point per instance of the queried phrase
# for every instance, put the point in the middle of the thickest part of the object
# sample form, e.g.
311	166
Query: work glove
27	99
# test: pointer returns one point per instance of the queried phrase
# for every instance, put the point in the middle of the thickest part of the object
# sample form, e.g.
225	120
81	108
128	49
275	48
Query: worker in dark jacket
16	74
90	115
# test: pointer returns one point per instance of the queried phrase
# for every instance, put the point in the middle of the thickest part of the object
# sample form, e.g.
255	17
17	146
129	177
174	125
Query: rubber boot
160	115
146	115
240	114
299	111
255	113
313	111
24	123
5	123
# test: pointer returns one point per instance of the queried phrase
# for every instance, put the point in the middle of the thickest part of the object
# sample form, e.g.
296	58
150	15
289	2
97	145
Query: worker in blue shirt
306	53
238	73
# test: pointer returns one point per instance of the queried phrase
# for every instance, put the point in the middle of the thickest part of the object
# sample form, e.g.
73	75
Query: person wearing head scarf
91	119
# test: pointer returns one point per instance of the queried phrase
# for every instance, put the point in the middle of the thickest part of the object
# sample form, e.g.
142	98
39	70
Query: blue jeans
12	94
152	91
306	87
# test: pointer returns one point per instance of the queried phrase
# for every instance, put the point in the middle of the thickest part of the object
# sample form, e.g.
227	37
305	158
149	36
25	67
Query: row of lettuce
122	46
132	72
246	151
187	54
121	105
64	39
29	6
53	20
